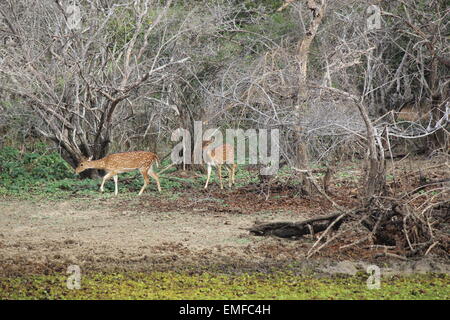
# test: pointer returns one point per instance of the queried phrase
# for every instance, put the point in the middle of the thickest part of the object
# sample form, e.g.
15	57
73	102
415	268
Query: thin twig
355	242
311	252
431	247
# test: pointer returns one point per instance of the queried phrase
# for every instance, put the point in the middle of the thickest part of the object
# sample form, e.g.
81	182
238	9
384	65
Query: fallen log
297	229
387	223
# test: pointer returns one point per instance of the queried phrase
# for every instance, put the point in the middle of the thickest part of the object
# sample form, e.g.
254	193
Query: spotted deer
219	156
117	163
409	112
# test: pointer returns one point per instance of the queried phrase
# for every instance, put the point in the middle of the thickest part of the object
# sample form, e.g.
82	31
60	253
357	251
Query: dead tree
78	73
318	10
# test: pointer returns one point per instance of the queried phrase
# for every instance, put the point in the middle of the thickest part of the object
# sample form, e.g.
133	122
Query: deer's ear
90	158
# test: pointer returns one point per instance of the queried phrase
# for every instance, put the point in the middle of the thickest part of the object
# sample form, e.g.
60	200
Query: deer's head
206	143
84	164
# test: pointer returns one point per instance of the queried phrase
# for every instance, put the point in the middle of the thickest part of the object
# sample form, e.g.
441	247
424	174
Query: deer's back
223	154
130	160
413	114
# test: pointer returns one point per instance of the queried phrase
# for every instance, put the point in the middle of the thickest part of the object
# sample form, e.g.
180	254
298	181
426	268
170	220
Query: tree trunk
317	9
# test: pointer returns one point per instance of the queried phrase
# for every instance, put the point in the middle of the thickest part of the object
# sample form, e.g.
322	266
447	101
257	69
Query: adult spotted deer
409	112
117	163
219	156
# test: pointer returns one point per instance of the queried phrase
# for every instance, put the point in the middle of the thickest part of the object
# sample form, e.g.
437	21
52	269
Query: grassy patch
173	285
43	174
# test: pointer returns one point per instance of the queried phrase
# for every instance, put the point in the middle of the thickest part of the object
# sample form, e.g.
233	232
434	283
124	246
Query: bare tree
76	74
416	33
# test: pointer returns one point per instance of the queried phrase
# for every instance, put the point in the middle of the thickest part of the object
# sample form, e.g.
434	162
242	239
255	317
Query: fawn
221	155
117	163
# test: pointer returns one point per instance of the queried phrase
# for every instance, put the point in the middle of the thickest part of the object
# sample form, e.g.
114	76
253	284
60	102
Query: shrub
20	171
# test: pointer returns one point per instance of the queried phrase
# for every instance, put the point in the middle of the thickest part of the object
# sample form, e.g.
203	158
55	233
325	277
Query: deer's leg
209	169
219	172
106	177
116	188
154	176
233	172
146	180
230	172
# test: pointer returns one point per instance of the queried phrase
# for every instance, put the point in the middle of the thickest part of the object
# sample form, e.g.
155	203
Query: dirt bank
202	231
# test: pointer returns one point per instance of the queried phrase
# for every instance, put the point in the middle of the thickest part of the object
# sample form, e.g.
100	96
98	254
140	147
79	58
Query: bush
20	172
41	172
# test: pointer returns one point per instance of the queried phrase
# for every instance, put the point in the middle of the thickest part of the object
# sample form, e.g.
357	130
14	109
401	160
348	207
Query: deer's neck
97	164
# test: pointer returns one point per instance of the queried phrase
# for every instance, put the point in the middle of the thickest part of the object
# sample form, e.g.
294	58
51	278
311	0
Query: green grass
175	286
43	174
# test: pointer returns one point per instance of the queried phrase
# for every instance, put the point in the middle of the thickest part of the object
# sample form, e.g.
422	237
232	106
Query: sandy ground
192	232
105	233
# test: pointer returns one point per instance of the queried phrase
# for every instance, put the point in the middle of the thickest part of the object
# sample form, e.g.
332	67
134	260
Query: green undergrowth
43	173
175	286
